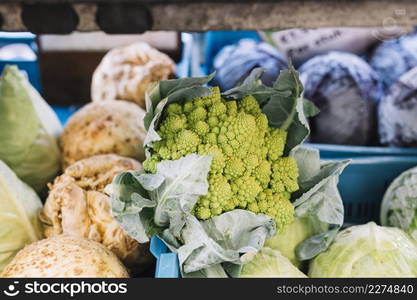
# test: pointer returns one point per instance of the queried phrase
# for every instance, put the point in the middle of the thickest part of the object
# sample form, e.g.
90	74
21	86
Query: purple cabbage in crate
234	63
346	90
393	58
398	112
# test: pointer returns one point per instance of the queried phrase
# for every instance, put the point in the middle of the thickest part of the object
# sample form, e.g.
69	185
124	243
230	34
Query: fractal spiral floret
248	169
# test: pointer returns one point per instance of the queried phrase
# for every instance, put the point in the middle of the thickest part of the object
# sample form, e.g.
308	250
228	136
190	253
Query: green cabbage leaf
19	209
29	131
268	263
399	205
367	250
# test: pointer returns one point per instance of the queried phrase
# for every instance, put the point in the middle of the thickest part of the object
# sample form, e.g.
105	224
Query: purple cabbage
346	90
398	112
393	58
234	63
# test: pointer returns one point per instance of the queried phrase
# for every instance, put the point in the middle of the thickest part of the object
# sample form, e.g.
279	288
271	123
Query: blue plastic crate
184	65
364	182
329	151
166	261
27	38
30	66
214	41
65	112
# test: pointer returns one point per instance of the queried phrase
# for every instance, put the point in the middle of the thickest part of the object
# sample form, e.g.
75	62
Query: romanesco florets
248	169
276	205
217	198
218	161
284	175
234	168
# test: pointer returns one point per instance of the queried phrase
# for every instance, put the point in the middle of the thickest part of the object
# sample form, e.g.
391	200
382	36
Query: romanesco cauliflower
248	170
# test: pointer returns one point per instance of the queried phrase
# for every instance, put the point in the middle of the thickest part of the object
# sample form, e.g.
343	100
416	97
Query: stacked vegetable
364	88
225	184
101	140
365	104
30	155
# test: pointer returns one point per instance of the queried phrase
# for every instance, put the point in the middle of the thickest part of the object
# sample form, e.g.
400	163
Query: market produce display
126	72
367	251
235	62
19	209
216	168
347	91
223	174
102	139
76	205
65	256
393	58
104	127
397	112
399	206
29	131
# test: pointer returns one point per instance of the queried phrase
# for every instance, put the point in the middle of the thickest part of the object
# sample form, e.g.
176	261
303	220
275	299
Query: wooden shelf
135	16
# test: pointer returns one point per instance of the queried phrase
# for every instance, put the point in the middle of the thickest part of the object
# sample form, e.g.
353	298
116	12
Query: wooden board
131	16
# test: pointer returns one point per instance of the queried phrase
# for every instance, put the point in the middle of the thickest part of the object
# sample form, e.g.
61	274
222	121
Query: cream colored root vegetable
77	206
126	72
65	256
104	127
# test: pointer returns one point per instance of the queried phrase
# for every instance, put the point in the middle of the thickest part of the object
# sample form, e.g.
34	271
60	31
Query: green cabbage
368	251
269	263
399	206
19	209
29	130
286	242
